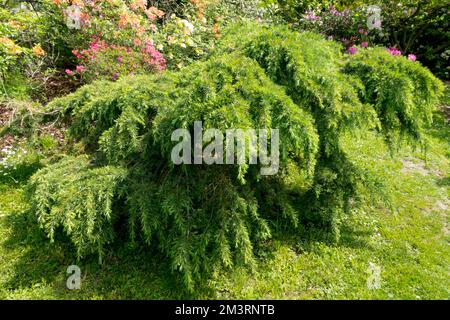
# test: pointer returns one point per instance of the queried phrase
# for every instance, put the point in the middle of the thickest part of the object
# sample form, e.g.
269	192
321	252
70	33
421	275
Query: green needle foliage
78	197
204	217
309	68
369	90
403	94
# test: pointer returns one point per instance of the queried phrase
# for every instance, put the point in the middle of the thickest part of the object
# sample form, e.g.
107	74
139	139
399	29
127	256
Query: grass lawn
409	244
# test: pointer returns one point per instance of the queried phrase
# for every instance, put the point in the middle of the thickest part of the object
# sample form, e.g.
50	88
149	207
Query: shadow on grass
443	182
128	272
306	239
39	260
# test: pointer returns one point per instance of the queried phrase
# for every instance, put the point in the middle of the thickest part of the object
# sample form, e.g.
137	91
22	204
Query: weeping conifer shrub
310	69
79	197
404	94
370	90
204	217
201	217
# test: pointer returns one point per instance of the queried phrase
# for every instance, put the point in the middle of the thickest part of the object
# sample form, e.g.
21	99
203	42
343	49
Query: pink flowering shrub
417	28
115	21
113	38
347	26
135	36
105	61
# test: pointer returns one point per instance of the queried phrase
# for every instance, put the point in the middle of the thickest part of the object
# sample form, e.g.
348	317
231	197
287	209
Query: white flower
189	26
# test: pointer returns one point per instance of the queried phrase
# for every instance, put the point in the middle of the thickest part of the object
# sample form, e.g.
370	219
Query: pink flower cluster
155	57
394	51
412	57
101	58
352	50
95	47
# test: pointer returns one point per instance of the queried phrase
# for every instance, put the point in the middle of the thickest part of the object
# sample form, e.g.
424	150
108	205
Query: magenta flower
394	51
120	59
352	50
69	72
364	44
80	69
412	57
157	58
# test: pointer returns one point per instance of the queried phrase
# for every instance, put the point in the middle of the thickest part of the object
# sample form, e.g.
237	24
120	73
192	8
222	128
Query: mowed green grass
408	243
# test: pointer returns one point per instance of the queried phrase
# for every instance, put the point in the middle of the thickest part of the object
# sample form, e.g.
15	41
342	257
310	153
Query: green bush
403	93
206	217
77	196
200	216
309	67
